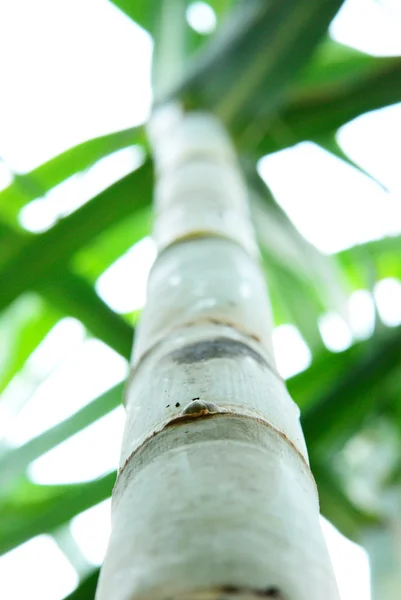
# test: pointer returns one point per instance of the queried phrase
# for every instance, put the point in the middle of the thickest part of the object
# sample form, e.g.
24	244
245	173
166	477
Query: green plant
274	79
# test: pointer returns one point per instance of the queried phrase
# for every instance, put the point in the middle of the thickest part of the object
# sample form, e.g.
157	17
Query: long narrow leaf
146	13
86	589
22	327
382	255
320	114
341	409
250	62
74	296
32	509
48	175
44	255
337	507
14	462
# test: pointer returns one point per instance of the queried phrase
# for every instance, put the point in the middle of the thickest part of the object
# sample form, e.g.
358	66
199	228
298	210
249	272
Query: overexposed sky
71	70
76	69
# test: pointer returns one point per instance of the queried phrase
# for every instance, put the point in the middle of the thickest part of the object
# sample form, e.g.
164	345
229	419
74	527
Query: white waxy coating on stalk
199	190
239	380
177	139
223	501
234	293
204	515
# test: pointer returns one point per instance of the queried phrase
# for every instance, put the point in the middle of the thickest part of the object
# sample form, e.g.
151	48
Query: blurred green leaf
143	13
297	300
35	509
306	387
45	253
74	296
86	588
381	255
337	507
10	246
333	64
356	389
14	462
22	327
318	114
93	259
146	13
306	283
331	145
245	69
39	181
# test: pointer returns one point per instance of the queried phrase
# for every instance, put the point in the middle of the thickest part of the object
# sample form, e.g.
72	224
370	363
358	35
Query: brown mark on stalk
228	592
240	593
272	592
220	347
225	323
220	322
212	411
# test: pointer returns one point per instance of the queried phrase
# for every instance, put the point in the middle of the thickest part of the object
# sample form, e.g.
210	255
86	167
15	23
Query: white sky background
67	77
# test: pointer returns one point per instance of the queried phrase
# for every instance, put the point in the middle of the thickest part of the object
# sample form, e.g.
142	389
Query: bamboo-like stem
214	497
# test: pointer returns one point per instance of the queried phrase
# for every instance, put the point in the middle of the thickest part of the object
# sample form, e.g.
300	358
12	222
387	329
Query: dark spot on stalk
177	404
230	589
168	405
272	592
221	347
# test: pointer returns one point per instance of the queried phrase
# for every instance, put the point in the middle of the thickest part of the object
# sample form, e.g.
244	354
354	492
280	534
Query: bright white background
72	70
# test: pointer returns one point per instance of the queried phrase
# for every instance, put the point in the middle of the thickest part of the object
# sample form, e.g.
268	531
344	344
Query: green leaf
92	260
342	407
320	113
337	507
14	462
86	589
143	13
45	253
37	182
394	478
249	63
146	13
306	282
297	301
330	144
34	509
10	245
381	256
333	64
307	387
74	296
22	327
